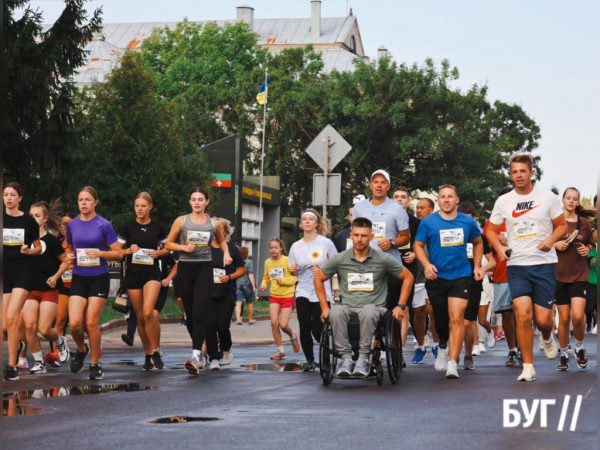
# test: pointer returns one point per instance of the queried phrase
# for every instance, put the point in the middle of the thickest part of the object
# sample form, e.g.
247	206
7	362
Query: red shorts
282	302
44	296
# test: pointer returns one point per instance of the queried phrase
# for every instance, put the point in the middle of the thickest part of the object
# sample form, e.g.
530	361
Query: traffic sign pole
325	170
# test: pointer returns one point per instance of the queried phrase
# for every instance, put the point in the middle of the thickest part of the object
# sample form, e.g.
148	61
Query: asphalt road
271	409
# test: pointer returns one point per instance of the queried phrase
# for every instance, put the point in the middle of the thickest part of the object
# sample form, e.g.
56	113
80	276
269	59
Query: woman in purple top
91	242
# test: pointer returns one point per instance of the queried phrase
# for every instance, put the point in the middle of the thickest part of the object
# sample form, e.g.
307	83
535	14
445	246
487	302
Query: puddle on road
275	367
11	407
63	391
183	419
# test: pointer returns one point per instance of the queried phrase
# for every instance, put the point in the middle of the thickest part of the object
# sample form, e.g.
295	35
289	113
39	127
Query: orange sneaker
278	355
295	340
52	358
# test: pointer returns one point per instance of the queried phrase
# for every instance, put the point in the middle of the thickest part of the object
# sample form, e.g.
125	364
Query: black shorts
566	291
472	311
162	298
440	290
63	290
592	298
135	280
86	287
17	273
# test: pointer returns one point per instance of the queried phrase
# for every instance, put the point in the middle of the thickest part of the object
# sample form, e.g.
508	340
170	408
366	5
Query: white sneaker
441	362
482	348
426	341
227	358
38	367
22	364
476	351
490	340
214	365
550	348
528	373
63	349
452	370
595	329
194	365
541	342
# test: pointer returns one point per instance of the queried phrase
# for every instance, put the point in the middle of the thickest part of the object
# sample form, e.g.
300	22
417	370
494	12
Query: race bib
360	282
198	238
216	274
83	260
67	277
452	238
142	256
276	273
469	250
349	243
315	254
13	236
526	229
378	230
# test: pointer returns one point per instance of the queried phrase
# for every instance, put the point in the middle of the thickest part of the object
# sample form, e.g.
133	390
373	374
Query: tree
39	119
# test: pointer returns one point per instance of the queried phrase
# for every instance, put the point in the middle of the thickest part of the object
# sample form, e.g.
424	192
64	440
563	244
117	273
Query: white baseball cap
381	172
357	199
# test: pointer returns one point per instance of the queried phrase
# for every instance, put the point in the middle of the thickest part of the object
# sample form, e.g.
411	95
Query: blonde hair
145	196
323	225
227	228
52	214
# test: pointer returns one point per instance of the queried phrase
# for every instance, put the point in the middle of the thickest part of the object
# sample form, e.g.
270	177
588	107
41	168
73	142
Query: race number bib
526	229
13	236
378	230
198	238
452	238
469	250
83	260
142	256
67	277
349	243
360	282
216	274
276	273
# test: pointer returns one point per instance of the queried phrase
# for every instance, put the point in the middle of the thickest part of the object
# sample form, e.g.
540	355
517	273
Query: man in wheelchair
363	279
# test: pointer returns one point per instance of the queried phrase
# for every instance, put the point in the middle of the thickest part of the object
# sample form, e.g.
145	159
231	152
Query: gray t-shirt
388	219
243	280
363	283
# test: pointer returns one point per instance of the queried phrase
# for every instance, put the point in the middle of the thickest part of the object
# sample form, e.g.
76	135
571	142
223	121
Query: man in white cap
390	225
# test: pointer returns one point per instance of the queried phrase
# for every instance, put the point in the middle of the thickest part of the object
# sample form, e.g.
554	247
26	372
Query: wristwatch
400	305
392	243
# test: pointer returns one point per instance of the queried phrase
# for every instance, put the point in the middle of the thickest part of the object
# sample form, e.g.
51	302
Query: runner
139	242
246	289
191	235
342	240
222	298
449	275
42	303
534	222
572	277
281	296
88	237
474	310
306	256
20	232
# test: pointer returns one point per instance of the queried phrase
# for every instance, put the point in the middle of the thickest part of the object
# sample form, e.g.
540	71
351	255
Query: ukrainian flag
261	98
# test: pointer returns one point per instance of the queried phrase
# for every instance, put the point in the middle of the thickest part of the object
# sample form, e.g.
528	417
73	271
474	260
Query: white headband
310	213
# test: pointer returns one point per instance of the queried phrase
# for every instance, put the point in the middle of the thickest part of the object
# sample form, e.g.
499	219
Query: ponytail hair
52	213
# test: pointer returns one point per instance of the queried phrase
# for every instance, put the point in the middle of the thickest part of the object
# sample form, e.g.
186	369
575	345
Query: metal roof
103	57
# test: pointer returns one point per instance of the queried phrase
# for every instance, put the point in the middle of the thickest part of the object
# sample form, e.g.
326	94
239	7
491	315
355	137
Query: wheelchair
386	339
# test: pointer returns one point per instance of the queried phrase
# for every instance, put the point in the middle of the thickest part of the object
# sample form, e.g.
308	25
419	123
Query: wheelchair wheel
393	348
326	359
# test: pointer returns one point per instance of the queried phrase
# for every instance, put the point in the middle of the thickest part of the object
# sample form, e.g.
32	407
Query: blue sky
542	55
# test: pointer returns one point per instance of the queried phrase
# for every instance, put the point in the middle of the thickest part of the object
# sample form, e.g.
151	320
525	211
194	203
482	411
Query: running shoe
419	356
550	348
127	339
476	351
251	322
468	363
345	367
563	363
569	348
295	340
528	373
278	355
214	365
148	364
159	350
541	342
38	367
63	349
52	358
481	346
451	371
310	367
435	350
501	336
426	340
582	360
361	368
157	360
227	358
96	372
22	364
78	360
441	362
512	360
595	330
239	322
194	365
490	340
11	373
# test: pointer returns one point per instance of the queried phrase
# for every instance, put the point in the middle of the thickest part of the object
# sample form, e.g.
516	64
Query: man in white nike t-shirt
534	222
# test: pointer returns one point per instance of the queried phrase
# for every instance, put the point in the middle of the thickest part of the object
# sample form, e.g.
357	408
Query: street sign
334	189
338	148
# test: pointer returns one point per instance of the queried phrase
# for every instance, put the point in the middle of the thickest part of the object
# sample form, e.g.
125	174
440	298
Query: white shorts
487	296
420	297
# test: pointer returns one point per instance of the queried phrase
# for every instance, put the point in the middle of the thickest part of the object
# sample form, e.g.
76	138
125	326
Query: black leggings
218	321
309	319
194	284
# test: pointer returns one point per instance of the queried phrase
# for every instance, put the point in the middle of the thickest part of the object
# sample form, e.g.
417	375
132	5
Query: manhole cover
184	419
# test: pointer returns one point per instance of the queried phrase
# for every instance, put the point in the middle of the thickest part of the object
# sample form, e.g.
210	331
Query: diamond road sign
337	150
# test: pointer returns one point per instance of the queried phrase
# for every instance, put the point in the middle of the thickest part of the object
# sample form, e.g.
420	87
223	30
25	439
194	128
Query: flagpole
262	168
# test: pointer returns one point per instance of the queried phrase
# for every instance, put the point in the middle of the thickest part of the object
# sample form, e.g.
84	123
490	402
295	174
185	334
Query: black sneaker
564	362
127	339
96	372
78	360
157	360
582	360
512	360
148	364
11	373
310	367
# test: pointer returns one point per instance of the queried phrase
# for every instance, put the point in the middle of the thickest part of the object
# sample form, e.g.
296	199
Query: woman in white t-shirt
306	256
